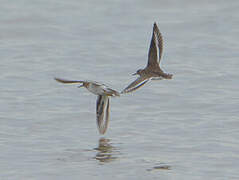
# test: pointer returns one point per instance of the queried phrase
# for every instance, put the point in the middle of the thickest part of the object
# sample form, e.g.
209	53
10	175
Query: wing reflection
160	167
106	152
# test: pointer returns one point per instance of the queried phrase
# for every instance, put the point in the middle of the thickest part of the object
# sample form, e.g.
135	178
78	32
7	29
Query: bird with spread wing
102	104
152	70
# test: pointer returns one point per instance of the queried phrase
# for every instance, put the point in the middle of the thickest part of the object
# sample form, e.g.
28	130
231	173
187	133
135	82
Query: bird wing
156	47
102	103
67	81
107	115
111	92
140	81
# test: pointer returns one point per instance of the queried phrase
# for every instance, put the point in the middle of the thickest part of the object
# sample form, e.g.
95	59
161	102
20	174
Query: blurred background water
185	128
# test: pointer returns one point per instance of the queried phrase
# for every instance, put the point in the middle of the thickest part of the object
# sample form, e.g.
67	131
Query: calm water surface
185	128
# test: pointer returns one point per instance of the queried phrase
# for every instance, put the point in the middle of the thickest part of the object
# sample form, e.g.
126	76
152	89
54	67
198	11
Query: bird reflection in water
106	152
160	167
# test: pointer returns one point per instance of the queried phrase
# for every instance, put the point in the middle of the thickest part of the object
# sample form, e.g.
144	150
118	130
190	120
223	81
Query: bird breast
96	89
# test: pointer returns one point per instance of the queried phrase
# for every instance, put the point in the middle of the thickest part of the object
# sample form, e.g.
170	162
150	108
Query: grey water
184	128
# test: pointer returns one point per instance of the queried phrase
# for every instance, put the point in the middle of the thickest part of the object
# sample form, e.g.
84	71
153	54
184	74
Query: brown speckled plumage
152	70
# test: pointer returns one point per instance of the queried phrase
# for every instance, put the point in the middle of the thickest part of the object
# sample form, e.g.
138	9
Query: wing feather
102	103
67	81
140	81
156	47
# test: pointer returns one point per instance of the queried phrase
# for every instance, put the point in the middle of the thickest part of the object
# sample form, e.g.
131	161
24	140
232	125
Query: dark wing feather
159	41
156	47
102	102
67	81
140	81
107	116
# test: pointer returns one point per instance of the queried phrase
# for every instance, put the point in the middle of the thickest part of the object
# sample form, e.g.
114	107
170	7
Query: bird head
139	72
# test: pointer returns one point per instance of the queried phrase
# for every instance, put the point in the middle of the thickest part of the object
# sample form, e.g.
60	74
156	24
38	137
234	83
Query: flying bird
152	70
102	104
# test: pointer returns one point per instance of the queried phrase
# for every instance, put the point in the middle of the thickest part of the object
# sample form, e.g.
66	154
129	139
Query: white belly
97	90
157	78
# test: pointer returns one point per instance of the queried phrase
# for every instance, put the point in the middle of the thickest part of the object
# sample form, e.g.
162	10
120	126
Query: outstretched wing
67	81
102	105
140	81
156	47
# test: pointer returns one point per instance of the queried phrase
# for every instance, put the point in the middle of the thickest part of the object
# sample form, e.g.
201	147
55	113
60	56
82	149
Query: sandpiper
102	104
152	70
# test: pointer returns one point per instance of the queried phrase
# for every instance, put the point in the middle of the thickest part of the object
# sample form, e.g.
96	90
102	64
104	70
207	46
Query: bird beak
81	86
134	74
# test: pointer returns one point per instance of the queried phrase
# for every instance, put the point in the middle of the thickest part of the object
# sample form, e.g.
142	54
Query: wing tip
155	25
58	79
